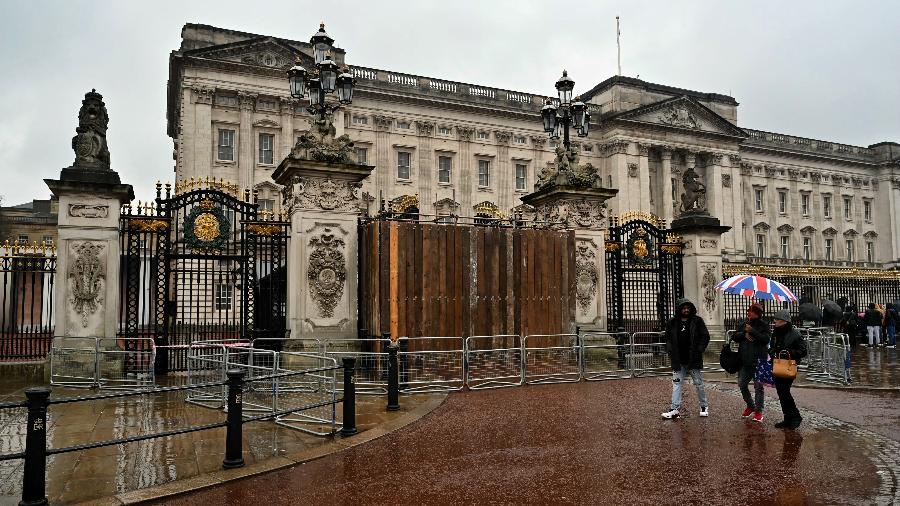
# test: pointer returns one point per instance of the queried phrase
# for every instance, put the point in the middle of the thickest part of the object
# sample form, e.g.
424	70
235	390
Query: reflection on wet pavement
590	443
100	472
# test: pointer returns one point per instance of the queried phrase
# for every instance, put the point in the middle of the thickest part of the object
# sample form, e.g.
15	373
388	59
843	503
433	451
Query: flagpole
618	46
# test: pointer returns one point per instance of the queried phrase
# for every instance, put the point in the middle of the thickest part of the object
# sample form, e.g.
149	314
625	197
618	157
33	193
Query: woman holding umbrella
753	336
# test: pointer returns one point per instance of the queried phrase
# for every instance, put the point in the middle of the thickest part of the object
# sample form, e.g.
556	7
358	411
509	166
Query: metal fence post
393	377
34	480
349	425
234	430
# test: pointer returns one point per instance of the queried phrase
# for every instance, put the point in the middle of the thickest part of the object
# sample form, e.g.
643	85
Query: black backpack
729	360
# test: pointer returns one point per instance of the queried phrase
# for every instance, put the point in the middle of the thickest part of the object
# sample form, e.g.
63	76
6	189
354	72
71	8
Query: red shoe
758	416
747	412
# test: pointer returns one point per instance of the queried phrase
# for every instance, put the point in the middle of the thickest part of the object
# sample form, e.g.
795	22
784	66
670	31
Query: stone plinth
87	297
584	210
323	200
702	266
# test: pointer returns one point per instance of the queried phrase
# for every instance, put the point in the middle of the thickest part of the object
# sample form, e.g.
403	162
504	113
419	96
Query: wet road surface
588	443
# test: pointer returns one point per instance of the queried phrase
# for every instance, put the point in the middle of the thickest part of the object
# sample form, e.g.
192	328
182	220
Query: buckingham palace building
468	150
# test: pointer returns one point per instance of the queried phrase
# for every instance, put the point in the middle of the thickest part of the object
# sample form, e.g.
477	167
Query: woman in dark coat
785	338
753	338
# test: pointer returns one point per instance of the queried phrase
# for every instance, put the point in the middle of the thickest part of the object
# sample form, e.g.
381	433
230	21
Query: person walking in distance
786	340
872	318
753	338
890	325
686	340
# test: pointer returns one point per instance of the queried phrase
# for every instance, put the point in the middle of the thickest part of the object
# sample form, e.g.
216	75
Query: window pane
484	173
403	165
226	145
362	155
520	177
266	148
444	164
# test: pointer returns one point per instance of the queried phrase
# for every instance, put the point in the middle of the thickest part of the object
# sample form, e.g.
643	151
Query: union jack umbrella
757	287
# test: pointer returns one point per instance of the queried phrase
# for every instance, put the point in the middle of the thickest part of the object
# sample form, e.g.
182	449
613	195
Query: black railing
26	301
38	401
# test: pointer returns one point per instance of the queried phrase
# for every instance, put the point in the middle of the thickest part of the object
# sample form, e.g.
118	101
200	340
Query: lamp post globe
345	83
548	115
578	109
328	72
297	80
564	87
321	44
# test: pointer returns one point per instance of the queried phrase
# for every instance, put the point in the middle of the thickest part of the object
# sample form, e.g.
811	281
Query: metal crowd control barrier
603	355
494	362
312	389
551	358
259	395
431	364
648	355
113	363
831	366
371	362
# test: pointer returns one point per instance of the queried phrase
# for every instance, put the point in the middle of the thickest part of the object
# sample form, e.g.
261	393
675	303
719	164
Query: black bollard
349	425
393	376
234	431
34	480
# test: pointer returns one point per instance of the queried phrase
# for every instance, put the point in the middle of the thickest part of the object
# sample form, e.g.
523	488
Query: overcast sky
826	70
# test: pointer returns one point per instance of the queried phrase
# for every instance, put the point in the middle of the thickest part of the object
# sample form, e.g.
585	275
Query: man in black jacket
686	340
872	318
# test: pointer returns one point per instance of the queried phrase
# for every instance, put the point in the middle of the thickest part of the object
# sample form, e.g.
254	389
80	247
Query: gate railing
27	274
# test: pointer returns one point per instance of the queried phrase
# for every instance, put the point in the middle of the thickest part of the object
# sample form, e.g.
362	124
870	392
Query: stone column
246	142
288	106
199	125
584	210
702	267
666	177
465	176
383	165
90	197
425	130
644	194
618	161
714	183
504	183
323	201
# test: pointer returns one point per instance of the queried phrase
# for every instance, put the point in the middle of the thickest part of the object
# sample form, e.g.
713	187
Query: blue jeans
678	386
891	335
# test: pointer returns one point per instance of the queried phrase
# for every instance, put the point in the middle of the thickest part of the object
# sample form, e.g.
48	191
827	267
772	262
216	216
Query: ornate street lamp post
322	80
558	115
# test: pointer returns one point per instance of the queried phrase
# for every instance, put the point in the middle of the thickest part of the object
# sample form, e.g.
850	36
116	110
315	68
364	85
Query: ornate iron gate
643	273
201	265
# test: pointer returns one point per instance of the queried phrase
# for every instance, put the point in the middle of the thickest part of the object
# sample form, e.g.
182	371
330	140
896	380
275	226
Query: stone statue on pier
89	142
693	200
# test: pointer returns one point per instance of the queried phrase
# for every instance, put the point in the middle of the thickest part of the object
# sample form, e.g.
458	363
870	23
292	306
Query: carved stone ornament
735	159
815	177
568	171
586	276
203	95
569	213
382	122
88	211
643	149
425	128
322	193
327	272
502	137
88	277
678	115
206	227
89	142
708	286
726	180
693	199
632	169
708	243
538	142
247	100
465	133
320	143
746	169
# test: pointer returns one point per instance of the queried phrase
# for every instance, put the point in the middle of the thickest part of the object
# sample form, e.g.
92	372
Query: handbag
729	359
784	367
763	372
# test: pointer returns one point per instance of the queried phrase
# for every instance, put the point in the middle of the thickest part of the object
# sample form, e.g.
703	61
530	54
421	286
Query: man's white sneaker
670	414
704	411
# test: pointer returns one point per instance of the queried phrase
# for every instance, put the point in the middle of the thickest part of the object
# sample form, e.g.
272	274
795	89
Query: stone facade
32	222
788	199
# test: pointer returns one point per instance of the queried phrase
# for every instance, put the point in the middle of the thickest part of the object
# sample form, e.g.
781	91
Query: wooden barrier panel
427	279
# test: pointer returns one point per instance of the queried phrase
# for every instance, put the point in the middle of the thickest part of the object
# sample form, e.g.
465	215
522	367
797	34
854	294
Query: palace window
870	251
757	199
23	238
484	173
226	145
444	130
804	204
867	210
266	205
47	239
848	208
520	176
829	249
403	125
760	245
266	104
445	163
520	139
785	249
403	165
223	297
807	248
483	135
826	206
360	120
266	148
782	202
362	156
850	250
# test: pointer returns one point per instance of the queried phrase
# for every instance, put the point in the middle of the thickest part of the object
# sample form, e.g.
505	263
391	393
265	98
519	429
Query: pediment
761	227
808	230
785	229
447	203
851	233
266	122
830	231
871	234
261	51
267	185
683	113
